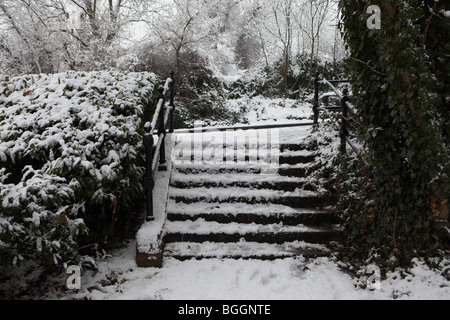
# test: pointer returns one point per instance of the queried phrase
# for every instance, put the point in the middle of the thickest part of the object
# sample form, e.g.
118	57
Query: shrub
269	81
70	151
200	95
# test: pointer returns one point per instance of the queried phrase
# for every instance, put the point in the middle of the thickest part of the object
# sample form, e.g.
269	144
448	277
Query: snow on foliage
67	141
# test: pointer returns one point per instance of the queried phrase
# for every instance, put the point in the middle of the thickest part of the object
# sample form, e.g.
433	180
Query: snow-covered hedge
68	142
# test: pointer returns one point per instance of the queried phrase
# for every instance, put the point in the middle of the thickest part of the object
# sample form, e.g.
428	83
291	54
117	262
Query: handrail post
171	103
316	99
149	183
344	131
162	130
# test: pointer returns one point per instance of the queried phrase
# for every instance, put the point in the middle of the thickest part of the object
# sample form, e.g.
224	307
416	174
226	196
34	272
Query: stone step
243	250
230	208
204	231
298	147
286	185
245	159
296	199
297	159
282	147
249	213
307	218
245	195
274	168
293	201
300	172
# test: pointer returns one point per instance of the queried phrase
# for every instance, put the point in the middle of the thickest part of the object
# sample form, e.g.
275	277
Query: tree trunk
310	73
24	39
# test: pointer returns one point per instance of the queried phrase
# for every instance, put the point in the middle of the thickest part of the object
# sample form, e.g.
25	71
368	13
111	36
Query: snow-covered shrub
69	148
269	80
200	94
39	219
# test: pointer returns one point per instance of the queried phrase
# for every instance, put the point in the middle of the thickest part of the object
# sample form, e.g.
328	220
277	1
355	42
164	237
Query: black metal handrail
160	118
345	106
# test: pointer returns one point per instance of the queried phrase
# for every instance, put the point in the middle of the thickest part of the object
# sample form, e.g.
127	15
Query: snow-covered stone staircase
231	200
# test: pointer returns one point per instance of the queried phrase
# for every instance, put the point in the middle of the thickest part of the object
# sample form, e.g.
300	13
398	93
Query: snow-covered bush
69	148
268	81
200	94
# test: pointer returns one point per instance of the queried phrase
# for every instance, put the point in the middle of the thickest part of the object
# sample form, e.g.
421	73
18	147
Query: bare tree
54	35
66	34
312	24
276	19
10	10
178	27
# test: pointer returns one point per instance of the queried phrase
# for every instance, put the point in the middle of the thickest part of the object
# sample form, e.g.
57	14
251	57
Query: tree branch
367	65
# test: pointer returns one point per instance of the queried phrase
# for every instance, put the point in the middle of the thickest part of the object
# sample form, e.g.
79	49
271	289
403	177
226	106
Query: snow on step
297	153
243	249
221	194
182	150
236	212
201	230
254	146
202	227
185	153
213	181
238	167
223	202
225	178
286	135
236	208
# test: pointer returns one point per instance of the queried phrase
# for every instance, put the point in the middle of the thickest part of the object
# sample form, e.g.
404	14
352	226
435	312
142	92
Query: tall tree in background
53	35
290	28
316	14
25	44
401	80
56	35
283	17
176	27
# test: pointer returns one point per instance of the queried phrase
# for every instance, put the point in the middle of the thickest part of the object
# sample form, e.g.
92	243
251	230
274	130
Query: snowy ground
262	111
216	279
118	277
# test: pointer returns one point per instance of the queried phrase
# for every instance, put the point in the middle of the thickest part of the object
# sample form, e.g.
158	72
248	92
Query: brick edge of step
150	260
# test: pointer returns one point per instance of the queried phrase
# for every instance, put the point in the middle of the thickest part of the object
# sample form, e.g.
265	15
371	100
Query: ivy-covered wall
401	73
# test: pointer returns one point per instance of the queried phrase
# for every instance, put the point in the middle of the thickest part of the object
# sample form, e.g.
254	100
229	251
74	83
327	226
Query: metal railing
155	153
348	110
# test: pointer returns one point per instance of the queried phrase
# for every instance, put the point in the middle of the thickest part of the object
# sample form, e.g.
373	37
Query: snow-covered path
118	278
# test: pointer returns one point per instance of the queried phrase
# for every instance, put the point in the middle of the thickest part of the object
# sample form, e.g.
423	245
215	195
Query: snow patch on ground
226	279
264	111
